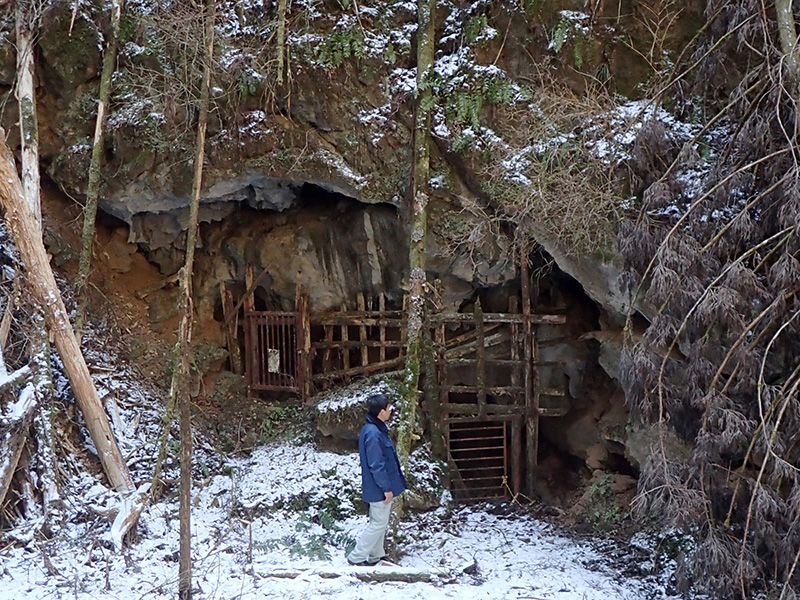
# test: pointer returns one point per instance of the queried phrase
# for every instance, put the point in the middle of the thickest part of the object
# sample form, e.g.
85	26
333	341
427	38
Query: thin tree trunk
45	458
29	128
419	228
27	236
788	36
179	379
95	166
281	42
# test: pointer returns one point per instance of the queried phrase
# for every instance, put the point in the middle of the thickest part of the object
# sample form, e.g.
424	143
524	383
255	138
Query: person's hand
388	496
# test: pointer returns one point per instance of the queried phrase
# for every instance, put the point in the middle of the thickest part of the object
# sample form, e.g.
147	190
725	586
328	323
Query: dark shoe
358	564
372	563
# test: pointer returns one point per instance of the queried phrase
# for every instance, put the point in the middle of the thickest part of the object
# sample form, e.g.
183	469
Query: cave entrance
493	388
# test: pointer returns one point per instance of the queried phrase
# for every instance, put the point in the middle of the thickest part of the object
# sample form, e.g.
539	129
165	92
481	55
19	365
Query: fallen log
377	574
129	510
14	434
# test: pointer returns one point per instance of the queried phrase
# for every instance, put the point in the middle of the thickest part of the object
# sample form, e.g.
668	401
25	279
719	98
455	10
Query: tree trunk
419	228
27	236
179	388
93	185
281	42
29	128
788	36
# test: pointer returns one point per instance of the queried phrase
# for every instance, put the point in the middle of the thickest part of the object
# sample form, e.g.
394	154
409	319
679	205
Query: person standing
381	480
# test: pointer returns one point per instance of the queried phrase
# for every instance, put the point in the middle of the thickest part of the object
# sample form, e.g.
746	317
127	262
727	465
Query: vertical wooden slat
326	356
480	375
265	335
249	350
231	329
253	361
531	402
403	328
382	308
515	464
304	347
362	331
248	303
345	339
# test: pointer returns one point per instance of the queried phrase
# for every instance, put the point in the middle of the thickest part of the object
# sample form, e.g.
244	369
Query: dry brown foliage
719	365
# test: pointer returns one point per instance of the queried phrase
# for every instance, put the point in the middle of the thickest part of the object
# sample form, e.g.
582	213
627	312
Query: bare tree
419	226
26	16
179	388
93	185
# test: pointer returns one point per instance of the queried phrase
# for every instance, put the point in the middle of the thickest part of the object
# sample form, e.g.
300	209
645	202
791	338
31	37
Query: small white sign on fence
273	360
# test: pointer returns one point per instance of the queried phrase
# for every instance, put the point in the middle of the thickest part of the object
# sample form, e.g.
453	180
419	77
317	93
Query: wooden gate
272	351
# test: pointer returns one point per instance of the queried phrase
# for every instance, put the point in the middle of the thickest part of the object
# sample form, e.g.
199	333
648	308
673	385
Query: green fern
559	37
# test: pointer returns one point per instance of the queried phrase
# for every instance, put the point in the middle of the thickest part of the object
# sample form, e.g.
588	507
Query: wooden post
382	308
251	327
345	339
404	328
231	329
480	367
326	357
438	415
516	427
249	299
43	287
304	351
362	332
531	403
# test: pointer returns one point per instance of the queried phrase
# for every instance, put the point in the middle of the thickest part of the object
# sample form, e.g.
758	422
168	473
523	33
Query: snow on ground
290	510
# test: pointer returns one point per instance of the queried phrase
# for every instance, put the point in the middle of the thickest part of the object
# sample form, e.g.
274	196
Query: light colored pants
370	546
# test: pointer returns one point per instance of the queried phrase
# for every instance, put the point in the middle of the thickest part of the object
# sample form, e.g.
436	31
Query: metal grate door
272	351
478	452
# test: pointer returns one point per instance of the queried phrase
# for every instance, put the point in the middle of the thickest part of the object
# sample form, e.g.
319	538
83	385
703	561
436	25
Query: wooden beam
539	319
498	390
353	371
348	318
491	409
489	340
323	344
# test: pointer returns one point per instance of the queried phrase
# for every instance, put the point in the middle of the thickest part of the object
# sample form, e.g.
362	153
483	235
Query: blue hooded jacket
380	467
